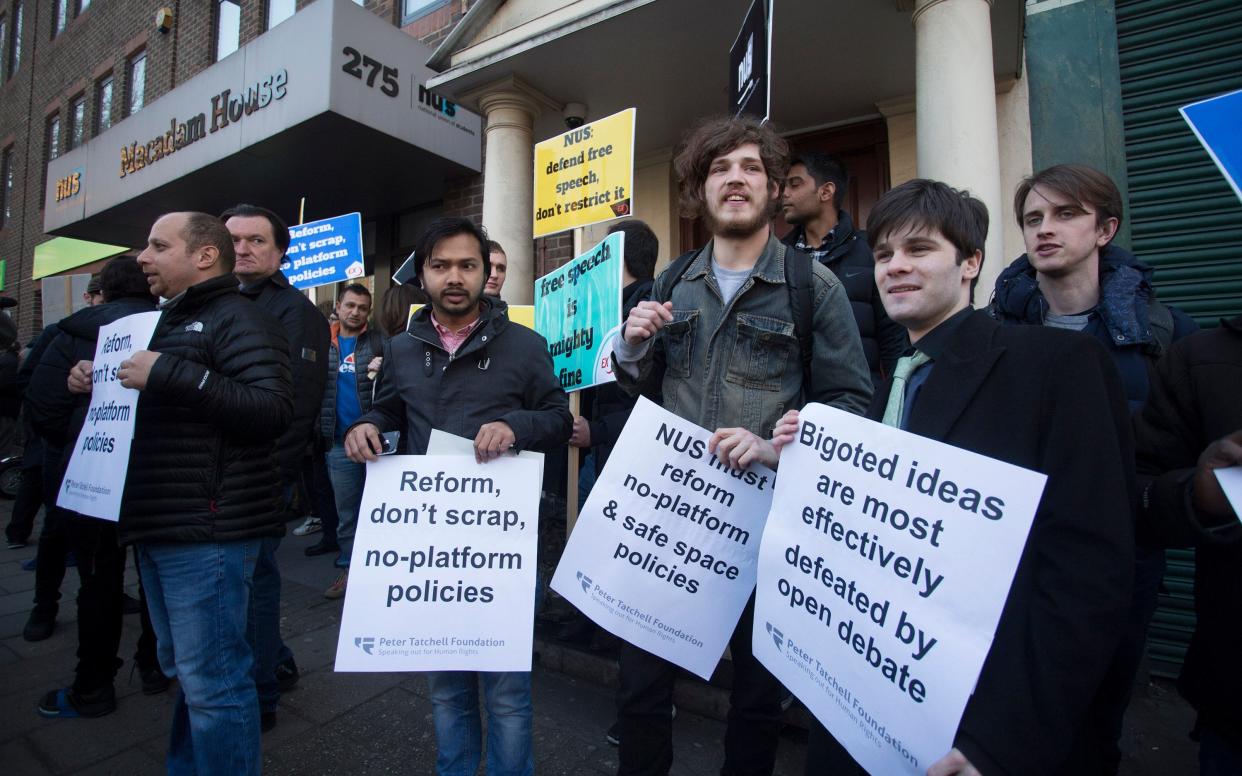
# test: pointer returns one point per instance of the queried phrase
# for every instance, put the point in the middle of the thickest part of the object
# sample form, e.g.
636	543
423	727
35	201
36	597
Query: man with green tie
1044	399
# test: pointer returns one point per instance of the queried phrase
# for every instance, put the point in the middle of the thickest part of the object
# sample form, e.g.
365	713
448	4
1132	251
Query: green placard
577	310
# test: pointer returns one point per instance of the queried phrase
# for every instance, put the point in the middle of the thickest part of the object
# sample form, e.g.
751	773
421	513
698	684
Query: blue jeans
198	596
347	481
455	709
263	624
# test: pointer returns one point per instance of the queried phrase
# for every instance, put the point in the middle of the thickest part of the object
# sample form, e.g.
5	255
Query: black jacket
54	412
501	372
1194	402
1050	401
849	257
202	465
607	407
307	332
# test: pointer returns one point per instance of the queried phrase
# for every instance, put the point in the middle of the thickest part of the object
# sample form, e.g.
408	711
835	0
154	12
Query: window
414	9
228	27
103	103
53	137
279	10
6	186
77	121
137	71
15	40
60	17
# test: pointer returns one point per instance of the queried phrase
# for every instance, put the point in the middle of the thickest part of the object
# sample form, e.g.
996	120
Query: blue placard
1216	123
323	252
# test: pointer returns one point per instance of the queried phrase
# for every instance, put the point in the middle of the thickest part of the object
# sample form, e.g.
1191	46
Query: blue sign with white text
1216	123
323	252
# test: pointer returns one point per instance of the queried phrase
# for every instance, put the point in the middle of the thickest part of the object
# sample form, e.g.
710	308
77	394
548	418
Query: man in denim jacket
720	345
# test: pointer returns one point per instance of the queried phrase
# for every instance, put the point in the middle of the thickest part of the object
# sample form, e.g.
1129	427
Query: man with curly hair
735	334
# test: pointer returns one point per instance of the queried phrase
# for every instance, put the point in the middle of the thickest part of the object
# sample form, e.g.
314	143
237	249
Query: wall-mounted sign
69	186
323	252
750	64
226	107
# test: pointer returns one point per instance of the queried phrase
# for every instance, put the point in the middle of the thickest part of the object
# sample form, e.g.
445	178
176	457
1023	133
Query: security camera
574	114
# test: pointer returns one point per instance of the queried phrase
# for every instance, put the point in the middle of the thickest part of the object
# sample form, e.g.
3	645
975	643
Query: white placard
95	479
885	565
443	570
663	554
1230	480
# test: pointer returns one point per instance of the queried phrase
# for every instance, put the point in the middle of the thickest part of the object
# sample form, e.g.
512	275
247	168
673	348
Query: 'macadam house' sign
226	108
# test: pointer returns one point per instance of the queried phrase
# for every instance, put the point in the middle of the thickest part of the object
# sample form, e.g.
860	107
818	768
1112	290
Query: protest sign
1215	122
442	576
578	309
324	252
95	479
664	551
1230	480
586	175
885	564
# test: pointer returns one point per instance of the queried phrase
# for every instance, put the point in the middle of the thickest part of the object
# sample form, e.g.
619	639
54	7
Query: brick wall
101	40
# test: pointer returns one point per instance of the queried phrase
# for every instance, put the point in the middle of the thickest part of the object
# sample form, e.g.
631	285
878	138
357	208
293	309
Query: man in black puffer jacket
58	415
260	239
811	201
202	485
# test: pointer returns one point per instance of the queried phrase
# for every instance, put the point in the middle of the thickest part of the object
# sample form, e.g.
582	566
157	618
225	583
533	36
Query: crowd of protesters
257	409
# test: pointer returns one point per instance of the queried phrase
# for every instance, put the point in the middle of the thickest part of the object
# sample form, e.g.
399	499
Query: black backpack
798	281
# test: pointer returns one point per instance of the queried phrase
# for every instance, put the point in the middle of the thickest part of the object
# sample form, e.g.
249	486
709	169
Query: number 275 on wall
355	64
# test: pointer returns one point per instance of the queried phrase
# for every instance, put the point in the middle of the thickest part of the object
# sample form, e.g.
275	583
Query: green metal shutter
1185	220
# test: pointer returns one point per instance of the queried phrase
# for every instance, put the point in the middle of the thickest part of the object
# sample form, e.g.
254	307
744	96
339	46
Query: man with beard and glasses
735	334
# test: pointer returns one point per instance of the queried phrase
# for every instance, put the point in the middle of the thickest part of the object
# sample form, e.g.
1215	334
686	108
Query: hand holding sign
80	377
646	320
136	370
953	764
1222	454
493	440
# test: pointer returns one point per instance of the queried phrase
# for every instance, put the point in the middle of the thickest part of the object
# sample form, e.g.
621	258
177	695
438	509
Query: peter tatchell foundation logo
585	581
776	635
365	643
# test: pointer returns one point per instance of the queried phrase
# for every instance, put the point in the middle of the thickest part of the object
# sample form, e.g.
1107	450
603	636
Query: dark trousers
322	501
646	710
50	562
26	505
101	567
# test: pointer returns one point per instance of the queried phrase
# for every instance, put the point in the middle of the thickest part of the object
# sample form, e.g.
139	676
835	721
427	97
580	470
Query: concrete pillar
955	96
509	108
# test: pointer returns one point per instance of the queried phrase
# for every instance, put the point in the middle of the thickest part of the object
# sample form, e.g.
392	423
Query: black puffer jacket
202	466
502	372
307	332
849	257
54	412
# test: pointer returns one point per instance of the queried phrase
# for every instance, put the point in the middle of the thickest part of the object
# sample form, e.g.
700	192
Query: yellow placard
521	314
586	175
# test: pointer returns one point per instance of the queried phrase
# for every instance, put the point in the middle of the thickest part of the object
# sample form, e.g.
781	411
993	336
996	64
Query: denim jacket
738	364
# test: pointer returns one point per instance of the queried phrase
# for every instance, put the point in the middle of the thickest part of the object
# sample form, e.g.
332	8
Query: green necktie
897	396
